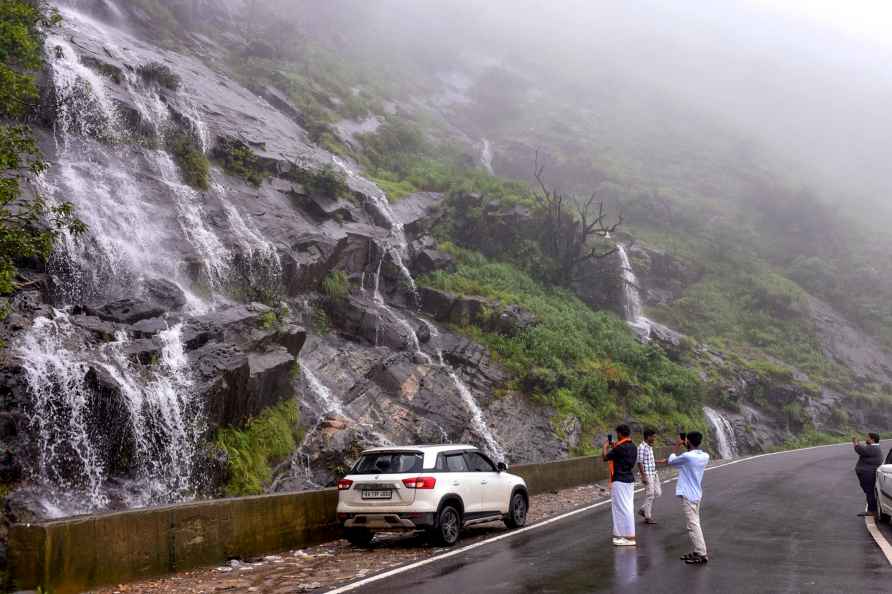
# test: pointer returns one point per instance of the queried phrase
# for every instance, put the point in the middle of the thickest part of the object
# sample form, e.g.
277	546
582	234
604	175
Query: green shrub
336	285
161	74
240	161
252	450
325	181
194	165
321	324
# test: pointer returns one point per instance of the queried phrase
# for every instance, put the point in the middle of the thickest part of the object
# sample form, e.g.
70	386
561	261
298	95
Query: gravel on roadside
335	563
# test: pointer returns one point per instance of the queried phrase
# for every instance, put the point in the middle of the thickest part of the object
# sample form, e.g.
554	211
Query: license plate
377	494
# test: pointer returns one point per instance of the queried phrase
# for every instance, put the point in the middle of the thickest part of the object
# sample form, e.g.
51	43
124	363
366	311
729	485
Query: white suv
884	490
439	489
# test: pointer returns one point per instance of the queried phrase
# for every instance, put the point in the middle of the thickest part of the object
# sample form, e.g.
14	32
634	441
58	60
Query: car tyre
359	537
885	518
448	527
517	511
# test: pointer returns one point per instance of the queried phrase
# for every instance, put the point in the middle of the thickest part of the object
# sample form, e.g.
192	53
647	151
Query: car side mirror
502	467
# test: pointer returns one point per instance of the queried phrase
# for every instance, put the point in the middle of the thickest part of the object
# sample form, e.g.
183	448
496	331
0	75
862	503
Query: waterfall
161	423
97	415
631	297
478	421
68	457
486	156
726	441
328	403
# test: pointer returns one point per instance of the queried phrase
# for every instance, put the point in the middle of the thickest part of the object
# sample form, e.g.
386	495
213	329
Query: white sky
870	20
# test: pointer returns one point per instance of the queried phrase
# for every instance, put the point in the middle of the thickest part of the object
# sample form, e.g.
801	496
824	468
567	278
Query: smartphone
682	436
610	438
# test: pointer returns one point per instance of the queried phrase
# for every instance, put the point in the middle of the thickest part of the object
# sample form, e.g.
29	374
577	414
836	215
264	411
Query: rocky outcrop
488	314
663	276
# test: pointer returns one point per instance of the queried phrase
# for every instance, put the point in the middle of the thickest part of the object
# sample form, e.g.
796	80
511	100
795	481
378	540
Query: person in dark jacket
870	457
621	457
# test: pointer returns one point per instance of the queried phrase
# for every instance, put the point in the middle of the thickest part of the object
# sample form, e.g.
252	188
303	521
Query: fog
812	84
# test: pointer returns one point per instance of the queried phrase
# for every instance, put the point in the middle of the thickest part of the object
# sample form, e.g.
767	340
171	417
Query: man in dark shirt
621	457
870	457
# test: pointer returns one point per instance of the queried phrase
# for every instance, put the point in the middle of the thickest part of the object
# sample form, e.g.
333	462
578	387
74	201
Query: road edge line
455	552
878	536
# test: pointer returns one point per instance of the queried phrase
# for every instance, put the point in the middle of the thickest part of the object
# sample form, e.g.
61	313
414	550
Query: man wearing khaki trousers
647	468
689	490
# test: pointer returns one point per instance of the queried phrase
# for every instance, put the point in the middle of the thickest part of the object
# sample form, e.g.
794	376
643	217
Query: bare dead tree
572	224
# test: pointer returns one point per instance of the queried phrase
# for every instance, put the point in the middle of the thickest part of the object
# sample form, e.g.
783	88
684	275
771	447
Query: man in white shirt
691	465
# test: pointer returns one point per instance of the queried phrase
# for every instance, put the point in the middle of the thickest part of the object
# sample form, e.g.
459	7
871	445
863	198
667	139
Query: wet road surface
781	523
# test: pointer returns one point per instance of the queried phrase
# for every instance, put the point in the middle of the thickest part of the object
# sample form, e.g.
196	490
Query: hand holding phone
610	438
682	436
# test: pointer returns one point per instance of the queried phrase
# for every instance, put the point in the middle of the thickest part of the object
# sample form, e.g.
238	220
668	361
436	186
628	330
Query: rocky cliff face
188	307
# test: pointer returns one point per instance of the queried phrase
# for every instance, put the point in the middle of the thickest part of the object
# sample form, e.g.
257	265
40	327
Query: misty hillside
246	239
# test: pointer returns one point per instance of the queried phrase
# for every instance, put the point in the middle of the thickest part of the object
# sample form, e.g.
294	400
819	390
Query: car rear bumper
397	522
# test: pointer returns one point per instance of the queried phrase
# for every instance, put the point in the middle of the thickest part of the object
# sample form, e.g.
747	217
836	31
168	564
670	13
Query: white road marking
877	535
455	552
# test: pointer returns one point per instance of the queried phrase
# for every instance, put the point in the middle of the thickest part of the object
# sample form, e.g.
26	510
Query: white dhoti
623	507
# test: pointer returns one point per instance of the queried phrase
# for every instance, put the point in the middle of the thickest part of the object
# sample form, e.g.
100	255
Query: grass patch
239	161
194	165
582	362
336	285
325	181
807	439
253	450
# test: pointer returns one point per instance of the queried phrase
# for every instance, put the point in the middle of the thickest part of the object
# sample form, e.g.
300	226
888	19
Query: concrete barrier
76	554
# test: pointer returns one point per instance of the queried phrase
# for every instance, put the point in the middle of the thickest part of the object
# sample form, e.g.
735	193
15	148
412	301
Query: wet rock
325	208
127	311
163	293
269	380
148	328
436	303
428	261
414	211
223	372
489	315
197	333
512	320
146	351
423	332
292	337
663	276
101	329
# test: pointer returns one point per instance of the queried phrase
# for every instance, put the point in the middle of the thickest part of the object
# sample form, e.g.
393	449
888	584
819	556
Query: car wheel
517	511
448	527
359	537
880	515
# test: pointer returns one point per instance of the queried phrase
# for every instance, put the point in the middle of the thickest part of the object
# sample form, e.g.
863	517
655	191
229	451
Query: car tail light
421	482
344	484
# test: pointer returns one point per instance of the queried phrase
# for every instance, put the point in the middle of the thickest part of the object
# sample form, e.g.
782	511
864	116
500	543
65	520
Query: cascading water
68	459
726	440
110	431
631	297
395	252
328	403
486	156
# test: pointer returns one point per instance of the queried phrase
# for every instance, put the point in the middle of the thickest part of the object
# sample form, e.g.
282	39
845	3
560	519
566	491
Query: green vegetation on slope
28	225
194	165
583	362
252	450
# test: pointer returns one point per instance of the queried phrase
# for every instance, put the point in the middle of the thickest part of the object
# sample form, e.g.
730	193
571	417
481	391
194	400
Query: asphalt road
782	523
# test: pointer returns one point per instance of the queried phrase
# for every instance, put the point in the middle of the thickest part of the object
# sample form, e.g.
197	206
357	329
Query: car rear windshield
389	463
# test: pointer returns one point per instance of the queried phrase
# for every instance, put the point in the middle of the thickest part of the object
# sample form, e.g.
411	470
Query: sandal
697	559
687	556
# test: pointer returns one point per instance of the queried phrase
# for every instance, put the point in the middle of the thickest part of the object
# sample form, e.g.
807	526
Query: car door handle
484	482
456	484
